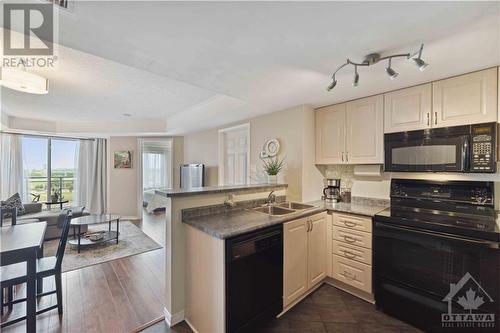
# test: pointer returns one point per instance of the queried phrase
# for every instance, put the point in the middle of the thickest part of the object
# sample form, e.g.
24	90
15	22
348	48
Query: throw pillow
14	202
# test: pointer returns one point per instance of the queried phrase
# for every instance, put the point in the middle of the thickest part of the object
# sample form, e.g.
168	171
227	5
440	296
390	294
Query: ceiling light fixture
391	72
355	82
21	80
374	58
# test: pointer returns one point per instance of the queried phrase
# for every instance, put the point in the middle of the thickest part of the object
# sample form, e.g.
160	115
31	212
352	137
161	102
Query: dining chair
13	275
8	212
5	213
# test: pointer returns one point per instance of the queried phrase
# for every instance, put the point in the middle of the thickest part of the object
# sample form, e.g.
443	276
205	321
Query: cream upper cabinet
465	99
317	251
365	133
294	260
408	109
330	134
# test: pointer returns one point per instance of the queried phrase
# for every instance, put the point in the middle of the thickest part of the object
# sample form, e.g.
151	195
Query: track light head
391	72
422	65
355	82
332	85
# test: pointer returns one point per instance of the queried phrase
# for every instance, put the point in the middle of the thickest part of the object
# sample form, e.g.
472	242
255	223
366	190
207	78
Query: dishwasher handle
262	242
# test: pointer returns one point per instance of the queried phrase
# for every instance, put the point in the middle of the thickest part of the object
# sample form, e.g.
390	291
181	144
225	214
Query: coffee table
60	203
109	235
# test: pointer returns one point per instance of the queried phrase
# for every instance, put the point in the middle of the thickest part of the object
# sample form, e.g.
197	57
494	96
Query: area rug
130	242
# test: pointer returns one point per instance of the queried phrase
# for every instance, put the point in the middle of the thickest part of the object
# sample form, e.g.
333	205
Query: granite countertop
355	207
237	222
240	221
218	189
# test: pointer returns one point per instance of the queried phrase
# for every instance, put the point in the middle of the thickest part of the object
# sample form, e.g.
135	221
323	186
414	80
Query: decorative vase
272	179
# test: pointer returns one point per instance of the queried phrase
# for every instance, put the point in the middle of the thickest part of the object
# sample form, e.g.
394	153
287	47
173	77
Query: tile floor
328	309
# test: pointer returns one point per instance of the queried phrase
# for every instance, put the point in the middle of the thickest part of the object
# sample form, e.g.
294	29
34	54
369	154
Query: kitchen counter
356	207
240	221
219	189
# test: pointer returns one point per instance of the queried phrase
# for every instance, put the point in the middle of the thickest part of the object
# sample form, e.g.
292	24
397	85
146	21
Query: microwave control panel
483	148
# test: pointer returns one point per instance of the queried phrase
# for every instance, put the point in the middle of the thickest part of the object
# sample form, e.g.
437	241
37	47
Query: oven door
415	269
428	154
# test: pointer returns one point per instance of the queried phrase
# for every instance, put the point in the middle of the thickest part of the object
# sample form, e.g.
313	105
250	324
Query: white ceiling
206	64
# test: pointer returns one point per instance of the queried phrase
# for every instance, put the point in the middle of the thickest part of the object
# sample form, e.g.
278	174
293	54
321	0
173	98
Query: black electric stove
437	241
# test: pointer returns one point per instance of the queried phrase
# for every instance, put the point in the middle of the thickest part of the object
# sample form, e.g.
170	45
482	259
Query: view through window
49	156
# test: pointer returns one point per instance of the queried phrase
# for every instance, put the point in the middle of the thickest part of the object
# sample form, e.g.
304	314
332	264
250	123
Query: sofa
54	219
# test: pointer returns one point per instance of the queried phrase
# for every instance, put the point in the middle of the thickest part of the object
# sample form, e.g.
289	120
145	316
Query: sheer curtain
91	180
12	178
155	165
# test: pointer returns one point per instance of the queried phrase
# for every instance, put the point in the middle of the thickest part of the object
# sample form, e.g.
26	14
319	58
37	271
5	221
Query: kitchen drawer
353	237
352	252
353	222
353	273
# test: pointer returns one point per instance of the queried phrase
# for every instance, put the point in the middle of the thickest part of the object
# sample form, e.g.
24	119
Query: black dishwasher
254	279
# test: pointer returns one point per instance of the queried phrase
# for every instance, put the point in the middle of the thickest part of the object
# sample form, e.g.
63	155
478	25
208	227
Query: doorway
156	173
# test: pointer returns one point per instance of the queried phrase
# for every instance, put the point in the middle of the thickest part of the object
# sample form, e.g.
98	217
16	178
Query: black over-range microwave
469	148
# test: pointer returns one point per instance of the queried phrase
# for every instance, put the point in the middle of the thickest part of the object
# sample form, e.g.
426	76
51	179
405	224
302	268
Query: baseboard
174	319
129	218
190	326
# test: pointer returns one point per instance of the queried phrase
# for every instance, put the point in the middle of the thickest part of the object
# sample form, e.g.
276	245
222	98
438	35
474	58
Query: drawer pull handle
350	224
349	276
349	254
349	239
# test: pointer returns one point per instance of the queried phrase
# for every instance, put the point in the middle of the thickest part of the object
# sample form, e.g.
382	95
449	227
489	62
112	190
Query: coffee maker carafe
331	192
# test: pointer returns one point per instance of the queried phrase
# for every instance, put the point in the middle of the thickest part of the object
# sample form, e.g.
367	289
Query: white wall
294	128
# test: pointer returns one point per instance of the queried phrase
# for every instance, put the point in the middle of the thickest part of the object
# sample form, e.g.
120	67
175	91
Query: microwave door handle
466	154
493	245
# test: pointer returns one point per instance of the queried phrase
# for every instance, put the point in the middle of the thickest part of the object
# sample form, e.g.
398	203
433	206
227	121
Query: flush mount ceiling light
374	58
21	80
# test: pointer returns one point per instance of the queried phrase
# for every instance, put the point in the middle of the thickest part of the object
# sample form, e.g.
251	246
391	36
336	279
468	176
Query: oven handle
493	245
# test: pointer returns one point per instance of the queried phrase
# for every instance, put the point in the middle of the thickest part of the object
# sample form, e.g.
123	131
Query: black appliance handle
259	243
493	245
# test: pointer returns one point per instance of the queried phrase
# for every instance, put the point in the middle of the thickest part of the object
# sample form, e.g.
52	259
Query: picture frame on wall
123	159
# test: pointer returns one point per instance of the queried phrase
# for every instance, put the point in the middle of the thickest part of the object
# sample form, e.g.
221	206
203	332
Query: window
49	156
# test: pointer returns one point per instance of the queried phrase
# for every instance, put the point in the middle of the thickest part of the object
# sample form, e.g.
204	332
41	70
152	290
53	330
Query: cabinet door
294	260
317	250
330	134
408	109
465	99
365	131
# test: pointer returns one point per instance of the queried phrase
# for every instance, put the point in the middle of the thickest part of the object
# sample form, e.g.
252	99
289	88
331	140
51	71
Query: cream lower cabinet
304	256
350	251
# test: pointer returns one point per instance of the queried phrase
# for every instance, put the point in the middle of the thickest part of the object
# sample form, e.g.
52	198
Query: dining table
21	243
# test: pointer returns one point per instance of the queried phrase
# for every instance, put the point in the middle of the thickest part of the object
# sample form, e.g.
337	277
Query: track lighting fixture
374	58
355	82
391	72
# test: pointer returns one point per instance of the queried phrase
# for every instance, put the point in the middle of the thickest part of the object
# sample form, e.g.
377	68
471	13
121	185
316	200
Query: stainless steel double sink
283	208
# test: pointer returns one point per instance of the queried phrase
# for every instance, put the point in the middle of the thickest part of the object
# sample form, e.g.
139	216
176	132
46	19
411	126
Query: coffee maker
331	192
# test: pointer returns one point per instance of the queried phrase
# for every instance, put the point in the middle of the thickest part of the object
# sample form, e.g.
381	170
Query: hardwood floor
115	296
